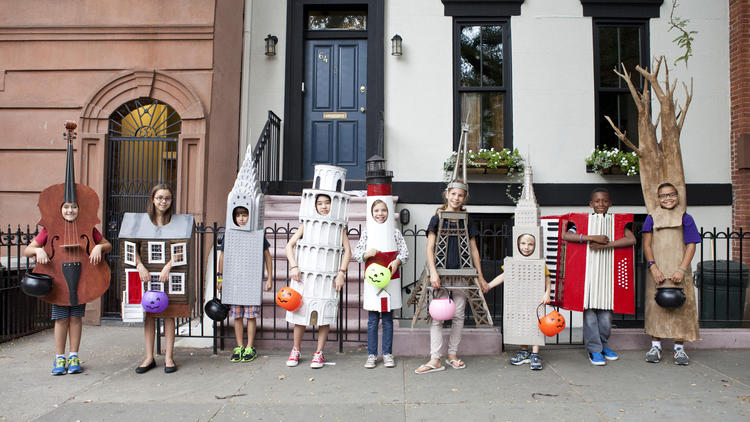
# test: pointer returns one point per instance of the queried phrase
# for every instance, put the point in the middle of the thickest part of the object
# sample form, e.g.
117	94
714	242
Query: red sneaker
293	359
318	360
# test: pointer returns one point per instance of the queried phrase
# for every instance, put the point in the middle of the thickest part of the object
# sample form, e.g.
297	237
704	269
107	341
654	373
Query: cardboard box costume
320	249
524	283
243	245
156	246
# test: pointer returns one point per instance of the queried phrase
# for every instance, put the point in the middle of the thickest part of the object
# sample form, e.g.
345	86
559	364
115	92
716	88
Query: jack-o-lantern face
289	299
378	275
552	324
154	301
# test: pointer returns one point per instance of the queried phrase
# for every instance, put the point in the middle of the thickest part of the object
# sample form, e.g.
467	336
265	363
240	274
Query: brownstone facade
739	65
82	60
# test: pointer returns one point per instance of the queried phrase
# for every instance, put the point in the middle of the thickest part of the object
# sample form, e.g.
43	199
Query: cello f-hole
88	243
52	246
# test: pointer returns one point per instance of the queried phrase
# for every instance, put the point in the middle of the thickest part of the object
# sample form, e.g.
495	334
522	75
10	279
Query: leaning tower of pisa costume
524	283
320	249
243	245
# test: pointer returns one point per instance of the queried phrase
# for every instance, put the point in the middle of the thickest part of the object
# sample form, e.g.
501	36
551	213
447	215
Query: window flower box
488	161
612	161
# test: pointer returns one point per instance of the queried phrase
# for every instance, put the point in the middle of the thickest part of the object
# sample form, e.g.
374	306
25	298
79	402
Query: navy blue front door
335	97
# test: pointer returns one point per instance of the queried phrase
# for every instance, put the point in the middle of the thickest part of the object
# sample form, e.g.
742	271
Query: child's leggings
373	318
457	325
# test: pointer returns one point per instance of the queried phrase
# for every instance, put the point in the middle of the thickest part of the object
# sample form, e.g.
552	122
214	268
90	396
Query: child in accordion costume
597	316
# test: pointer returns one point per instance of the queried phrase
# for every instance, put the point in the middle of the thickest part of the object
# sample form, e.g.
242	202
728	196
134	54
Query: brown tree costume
660	162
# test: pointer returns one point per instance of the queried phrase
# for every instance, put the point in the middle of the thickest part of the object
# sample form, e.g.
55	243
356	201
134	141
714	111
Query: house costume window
614	43
155	284
156	253
179	257
482	84
129	257
176	283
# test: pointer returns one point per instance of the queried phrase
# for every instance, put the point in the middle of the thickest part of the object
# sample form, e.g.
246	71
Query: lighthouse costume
320	249
243	245
383	237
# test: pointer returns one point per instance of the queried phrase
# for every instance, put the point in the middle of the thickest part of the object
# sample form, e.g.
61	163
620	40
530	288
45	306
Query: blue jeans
373	318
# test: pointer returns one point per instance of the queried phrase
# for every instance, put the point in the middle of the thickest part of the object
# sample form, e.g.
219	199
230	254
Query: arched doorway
141	151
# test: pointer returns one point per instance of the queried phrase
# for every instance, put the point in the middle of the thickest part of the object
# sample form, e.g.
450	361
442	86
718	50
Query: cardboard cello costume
668	246
76	279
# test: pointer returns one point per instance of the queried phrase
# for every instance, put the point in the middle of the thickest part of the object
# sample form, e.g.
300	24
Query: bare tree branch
633	92
688	98
622	136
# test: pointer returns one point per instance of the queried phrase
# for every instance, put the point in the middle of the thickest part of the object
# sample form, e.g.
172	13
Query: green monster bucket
378	275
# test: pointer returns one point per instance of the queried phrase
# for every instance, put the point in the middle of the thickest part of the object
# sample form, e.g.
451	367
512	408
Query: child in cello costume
70	249
382	243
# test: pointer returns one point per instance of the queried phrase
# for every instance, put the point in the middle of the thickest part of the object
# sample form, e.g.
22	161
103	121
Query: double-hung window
482	82
617	42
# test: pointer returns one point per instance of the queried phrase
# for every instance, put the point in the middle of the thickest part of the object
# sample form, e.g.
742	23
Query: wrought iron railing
20	315
267	154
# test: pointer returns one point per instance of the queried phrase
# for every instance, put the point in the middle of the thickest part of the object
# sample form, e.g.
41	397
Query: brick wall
739	75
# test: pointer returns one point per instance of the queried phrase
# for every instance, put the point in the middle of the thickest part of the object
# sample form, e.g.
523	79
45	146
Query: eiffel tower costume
459	276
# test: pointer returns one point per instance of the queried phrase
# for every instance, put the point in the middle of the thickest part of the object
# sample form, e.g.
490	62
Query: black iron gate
141	152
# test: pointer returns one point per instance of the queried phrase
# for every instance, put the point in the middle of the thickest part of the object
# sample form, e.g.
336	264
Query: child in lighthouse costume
383	244
318	255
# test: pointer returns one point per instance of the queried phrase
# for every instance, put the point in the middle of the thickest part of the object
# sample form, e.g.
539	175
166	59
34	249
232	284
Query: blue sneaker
597	359
609	354
74	365
59	368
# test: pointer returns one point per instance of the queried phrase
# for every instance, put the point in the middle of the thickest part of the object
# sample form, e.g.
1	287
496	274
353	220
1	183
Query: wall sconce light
271	45
396	45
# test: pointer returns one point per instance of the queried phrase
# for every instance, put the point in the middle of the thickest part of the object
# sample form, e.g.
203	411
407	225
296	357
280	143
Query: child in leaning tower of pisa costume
318	255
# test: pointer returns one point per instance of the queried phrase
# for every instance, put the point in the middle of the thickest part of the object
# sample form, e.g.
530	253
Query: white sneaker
293	359
318	360
388	361
371	361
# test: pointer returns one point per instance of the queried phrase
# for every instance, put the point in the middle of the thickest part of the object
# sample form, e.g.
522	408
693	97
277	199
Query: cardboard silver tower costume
524	283
320	249
380	236
243	245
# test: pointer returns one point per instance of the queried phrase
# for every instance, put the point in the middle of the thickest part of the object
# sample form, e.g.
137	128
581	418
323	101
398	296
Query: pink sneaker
293	359
318	360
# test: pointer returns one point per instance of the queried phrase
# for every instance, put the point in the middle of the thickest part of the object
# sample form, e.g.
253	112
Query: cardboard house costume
243	245
381	237
156	246
320	249
524	283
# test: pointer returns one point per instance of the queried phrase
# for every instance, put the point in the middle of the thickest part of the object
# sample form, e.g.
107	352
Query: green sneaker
249	354
59	366
236	354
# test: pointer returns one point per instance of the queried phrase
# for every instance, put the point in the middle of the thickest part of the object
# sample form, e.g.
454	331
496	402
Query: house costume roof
139	226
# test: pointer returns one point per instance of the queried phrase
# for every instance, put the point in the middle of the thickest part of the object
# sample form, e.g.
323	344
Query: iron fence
720	282
20	314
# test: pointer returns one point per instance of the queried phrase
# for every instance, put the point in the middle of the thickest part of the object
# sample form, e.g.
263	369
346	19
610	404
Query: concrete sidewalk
715	386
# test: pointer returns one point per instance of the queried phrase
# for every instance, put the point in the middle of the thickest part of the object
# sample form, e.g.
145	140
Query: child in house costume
244	248
668	249
528	281
381	243
318	255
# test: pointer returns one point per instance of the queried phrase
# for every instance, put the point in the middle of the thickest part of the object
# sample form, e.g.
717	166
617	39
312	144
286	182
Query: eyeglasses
163	198
668	195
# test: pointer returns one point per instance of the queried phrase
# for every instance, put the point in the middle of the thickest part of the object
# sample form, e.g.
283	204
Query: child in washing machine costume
381	243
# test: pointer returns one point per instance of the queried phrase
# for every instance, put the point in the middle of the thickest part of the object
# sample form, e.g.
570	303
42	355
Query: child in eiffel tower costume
453	265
